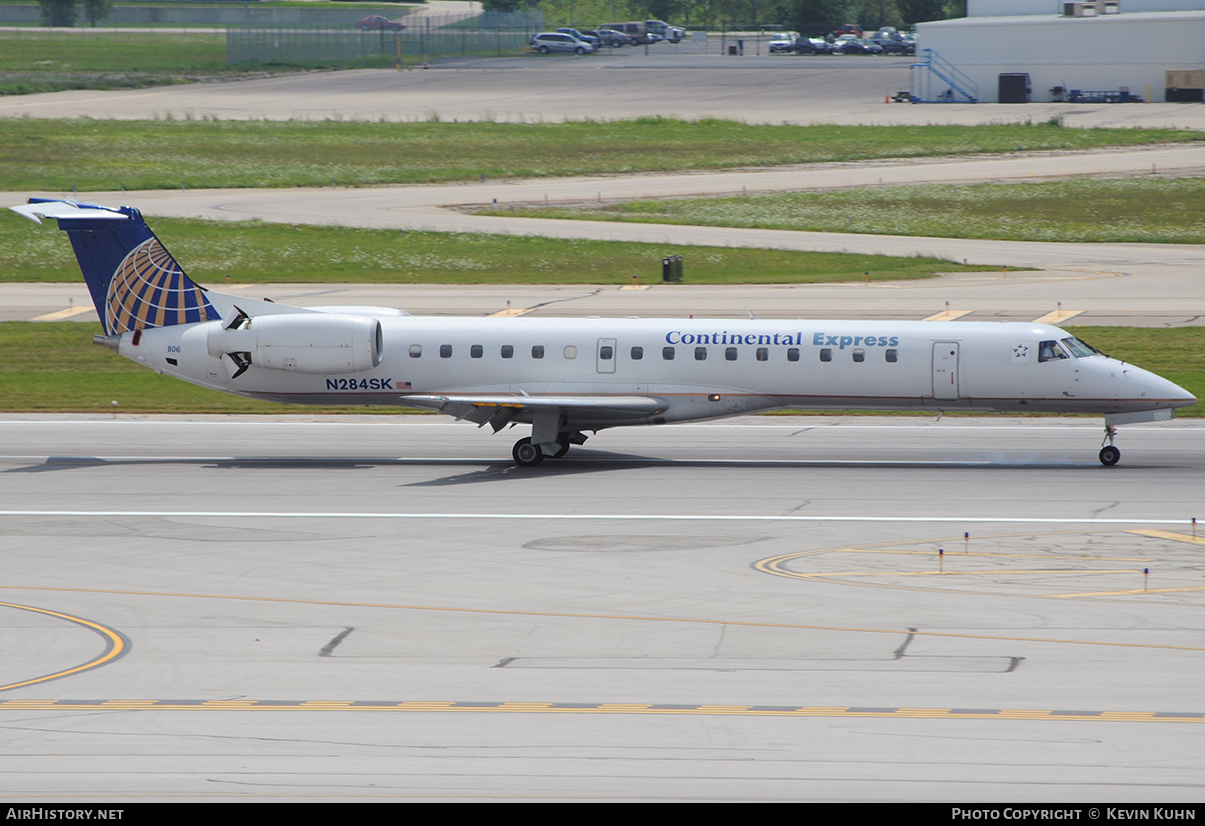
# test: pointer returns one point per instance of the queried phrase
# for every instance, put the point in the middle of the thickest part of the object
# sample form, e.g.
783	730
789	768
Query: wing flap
502	407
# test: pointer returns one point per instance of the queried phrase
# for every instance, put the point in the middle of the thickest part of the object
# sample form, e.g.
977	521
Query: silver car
547	42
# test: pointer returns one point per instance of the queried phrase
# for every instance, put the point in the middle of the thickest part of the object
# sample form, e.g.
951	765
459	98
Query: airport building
1016	51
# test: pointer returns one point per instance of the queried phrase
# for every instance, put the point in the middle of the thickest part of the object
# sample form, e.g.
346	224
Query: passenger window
730	354
508	351
537	351
606	352
793	354
763	353
700	354
893	356
445	351
667	353
637	353
570	351
859	355
826	354
476	351
416	351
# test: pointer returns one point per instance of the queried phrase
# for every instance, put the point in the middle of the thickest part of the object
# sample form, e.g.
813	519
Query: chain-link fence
492	33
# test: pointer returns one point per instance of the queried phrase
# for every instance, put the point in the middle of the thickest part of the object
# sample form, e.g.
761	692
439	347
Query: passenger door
945	370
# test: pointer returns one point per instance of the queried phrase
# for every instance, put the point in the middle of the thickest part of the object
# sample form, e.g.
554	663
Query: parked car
856	45
637	31
849	28
583	36
548	42
782	42
614	39
377	23
894	45
812	45
665	31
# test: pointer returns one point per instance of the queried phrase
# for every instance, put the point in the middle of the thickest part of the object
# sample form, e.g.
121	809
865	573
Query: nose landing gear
1109	455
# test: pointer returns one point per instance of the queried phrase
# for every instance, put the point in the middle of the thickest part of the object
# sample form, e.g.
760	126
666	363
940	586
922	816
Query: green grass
255	252
39	61
103	155
1120	210
56	368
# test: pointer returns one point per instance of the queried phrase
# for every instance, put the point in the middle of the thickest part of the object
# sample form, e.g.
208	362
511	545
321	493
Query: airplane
569	376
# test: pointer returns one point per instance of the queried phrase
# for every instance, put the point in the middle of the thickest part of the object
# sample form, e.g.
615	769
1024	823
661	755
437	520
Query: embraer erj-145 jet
565	377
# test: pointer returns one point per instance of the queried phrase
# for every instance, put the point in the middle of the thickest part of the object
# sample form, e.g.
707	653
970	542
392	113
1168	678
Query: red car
376	22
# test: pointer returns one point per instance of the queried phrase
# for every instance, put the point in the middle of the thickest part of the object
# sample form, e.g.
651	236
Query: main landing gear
527	454
1109	455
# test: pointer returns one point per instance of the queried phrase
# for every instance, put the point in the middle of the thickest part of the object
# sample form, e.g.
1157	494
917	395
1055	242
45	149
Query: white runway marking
587	517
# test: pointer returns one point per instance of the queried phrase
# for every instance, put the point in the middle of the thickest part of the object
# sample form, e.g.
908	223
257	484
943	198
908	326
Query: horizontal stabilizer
37	209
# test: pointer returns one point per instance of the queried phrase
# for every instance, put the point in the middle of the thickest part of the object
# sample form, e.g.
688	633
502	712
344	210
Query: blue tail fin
134	281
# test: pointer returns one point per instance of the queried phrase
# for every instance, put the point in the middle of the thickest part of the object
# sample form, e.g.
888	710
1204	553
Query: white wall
1095	53
1011	8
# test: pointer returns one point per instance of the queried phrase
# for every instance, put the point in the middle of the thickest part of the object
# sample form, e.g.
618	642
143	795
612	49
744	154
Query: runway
387	609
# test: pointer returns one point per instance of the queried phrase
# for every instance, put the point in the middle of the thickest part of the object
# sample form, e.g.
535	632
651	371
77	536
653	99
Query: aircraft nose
1175	395
1181	397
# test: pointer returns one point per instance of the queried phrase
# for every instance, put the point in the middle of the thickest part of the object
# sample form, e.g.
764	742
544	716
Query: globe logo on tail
149	289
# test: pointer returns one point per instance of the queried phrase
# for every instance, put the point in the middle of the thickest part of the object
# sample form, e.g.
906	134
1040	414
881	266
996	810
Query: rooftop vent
1091	8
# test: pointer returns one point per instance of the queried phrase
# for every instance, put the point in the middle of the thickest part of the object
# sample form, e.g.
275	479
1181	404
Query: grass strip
38	61
257	252
46	367
102	155
1148	209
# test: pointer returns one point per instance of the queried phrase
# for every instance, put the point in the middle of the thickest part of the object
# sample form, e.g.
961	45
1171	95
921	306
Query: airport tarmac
368	608
686	81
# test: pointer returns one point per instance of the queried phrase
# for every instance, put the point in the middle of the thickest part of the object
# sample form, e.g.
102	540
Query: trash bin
671	269
732	51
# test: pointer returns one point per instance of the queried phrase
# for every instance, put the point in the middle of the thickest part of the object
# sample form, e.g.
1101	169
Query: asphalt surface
688	80
764	609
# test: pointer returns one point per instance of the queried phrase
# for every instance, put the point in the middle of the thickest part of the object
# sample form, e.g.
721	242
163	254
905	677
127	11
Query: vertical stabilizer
134	281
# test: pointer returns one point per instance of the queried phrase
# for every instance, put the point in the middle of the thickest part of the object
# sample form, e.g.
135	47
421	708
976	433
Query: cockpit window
1079	349
1050	351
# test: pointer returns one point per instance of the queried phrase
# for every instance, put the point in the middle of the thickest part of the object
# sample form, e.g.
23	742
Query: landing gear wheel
526	454
1109	454
563	441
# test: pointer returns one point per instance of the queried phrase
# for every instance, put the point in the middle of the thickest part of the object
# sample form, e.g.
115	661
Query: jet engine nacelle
302	342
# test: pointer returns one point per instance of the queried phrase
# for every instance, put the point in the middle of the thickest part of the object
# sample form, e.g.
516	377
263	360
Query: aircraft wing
498	409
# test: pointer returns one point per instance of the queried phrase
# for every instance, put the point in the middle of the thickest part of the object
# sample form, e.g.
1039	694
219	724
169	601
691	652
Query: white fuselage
698	368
